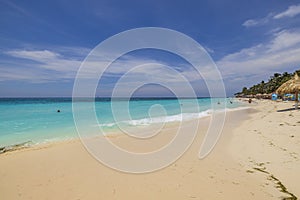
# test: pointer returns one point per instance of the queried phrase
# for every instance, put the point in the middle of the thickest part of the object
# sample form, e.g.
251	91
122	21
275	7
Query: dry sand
257	157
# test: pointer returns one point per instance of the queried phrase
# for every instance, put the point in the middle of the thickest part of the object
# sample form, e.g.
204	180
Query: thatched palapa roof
291	86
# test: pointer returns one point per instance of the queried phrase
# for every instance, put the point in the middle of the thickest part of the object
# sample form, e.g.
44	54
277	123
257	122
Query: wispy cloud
290	12
42	55
49	65
257	22
39	65
283	40
252	64
281	53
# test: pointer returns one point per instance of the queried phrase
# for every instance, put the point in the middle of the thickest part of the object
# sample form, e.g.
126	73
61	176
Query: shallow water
37	119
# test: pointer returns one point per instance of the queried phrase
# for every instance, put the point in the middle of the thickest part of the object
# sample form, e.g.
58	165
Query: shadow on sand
288	109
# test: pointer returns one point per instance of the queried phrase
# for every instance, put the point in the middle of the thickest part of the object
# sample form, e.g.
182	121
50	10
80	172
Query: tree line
274	82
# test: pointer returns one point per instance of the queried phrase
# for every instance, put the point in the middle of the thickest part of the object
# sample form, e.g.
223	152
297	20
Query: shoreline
107	133
241	164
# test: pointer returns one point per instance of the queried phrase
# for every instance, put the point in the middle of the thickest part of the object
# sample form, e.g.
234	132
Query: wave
171	118
162	119
167	119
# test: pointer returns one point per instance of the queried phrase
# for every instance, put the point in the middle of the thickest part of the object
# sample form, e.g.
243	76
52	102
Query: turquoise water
37	119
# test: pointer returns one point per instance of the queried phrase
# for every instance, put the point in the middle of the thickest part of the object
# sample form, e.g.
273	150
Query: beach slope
257	157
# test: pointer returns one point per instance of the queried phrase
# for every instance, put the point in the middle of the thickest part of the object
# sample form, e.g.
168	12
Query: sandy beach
257	157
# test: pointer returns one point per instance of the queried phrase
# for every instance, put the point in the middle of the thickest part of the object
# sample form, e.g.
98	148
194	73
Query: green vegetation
271	86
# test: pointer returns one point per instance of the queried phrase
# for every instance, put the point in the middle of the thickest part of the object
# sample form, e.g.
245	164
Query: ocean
37	120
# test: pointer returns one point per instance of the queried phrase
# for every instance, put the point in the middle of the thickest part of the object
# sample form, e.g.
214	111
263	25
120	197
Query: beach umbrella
292	86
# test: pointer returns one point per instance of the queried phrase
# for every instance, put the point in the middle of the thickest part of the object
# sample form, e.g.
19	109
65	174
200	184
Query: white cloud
41	66
278	55
38	65
284	39
42	55
28	75
49	65
290	12
252	22
257	22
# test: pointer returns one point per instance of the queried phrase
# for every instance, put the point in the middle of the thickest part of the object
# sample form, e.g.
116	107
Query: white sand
255	152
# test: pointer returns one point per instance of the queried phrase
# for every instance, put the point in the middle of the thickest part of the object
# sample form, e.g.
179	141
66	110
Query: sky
43	43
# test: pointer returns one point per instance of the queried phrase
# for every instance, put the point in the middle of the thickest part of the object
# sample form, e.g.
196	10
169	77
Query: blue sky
43	43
